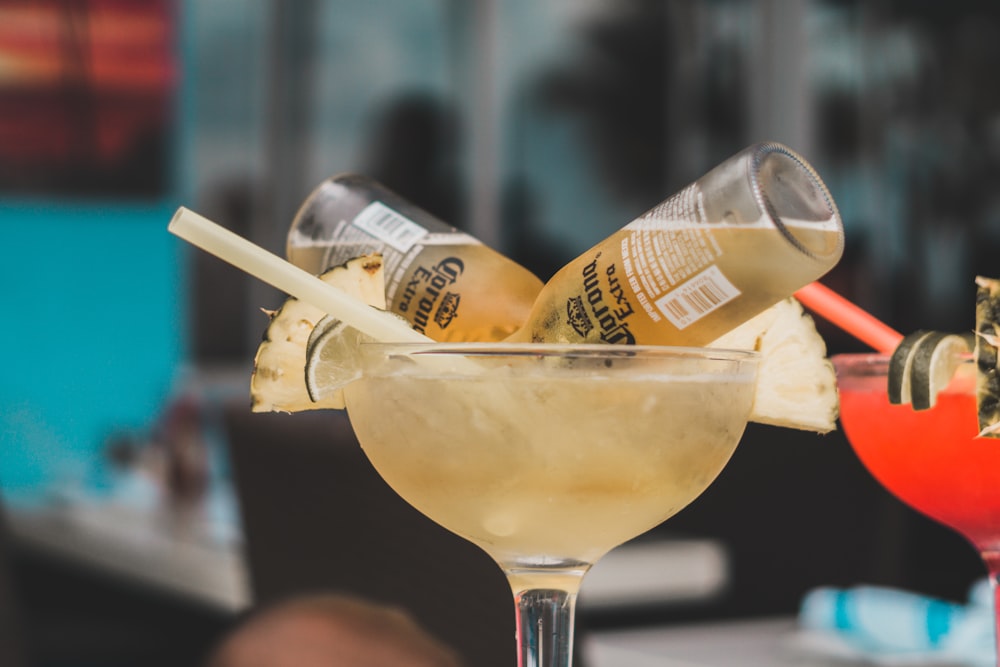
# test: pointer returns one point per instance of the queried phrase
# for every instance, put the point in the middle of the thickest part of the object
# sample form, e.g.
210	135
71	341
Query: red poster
86	97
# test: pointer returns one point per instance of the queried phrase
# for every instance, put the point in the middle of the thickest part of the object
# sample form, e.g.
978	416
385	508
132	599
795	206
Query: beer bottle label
389	227
446	283
673	277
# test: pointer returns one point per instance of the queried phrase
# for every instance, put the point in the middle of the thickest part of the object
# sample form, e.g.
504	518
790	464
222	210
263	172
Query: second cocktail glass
549	456
932	460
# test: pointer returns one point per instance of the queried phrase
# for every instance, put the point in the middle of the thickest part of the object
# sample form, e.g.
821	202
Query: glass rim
862	363
562	350
856	369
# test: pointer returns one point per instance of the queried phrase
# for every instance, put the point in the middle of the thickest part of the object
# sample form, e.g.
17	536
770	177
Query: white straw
287	277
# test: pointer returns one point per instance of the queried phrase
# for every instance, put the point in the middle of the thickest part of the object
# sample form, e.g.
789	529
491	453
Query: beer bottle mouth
792	194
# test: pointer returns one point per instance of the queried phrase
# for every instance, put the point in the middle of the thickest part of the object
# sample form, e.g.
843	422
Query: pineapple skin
987	375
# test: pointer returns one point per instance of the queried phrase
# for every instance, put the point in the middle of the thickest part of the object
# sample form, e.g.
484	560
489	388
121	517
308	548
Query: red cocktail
932	459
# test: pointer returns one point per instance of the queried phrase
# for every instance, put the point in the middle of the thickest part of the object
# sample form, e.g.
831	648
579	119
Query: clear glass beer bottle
447	284
736	241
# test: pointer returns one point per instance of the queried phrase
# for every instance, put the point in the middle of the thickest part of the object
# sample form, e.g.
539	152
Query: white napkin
891	626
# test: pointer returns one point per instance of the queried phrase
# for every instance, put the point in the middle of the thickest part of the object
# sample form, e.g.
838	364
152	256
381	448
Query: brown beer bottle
736	241
447	284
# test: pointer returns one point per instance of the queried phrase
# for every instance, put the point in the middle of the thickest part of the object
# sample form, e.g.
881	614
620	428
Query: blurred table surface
183	556
188	556
768	642
193	555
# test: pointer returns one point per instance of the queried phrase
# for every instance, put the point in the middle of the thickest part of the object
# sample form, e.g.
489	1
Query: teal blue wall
92	331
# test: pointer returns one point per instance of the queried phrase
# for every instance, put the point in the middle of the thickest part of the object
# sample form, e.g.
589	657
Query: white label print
697	297
390	227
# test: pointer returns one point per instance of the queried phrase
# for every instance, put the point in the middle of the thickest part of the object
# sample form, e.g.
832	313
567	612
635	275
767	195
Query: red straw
841	312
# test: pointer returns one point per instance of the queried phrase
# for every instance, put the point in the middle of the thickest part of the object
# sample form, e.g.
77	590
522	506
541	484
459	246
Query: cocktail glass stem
992	559
545	627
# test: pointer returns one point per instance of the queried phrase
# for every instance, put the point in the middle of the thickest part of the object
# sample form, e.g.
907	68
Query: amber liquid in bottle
736	241
447	284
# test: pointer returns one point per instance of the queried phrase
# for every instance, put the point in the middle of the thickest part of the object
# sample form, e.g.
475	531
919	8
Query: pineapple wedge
987	339
796	383
278	382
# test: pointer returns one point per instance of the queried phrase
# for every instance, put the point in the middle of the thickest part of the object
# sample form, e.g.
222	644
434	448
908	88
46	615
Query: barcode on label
388	226
698	297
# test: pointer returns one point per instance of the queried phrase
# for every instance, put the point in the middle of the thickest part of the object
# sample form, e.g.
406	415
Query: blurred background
539	126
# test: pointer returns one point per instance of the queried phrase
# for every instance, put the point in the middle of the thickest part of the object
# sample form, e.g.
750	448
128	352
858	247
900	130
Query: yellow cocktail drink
548	456
553	466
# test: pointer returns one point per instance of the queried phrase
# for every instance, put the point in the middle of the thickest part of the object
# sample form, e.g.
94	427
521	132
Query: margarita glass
548	456
932	460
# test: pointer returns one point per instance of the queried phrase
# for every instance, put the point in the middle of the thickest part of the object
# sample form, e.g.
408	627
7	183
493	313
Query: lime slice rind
325	325
331	359
900	366
936	358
